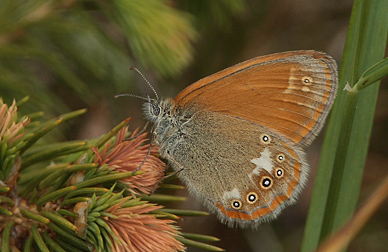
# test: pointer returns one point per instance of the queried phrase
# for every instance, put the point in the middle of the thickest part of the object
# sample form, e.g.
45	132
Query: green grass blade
335	197
374	44
373	74
197	244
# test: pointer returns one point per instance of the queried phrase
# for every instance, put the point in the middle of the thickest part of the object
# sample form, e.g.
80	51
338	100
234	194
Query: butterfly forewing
290	93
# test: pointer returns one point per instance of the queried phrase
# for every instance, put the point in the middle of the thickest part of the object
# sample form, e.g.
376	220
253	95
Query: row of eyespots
279	172
251	198
266	181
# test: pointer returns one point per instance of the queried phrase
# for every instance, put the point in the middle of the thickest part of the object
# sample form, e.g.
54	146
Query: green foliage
53	49
64	193
86	48
346	144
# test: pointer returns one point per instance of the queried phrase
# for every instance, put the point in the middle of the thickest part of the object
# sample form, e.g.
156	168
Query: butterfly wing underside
242	147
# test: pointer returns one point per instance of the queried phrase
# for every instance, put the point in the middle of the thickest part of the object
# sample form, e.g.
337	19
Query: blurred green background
67	55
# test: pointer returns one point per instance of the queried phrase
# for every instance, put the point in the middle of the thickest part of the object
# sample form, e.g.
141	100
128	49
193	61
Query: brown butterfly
236	137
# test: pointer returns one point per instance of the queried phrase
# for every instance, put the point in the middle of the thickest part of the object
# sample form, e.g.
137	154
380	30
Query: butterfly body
236	137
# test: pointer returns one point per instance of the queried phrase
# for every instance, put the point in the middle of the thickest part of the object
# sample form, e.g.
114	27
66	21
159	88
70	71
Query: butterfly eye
155	109
266	182
279	172
265	139
236	204
280	158
252	197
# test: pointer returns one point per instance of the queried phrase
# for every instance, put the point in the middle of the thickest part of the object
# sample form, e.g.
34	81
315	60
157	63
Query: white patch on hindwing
263	162
233	194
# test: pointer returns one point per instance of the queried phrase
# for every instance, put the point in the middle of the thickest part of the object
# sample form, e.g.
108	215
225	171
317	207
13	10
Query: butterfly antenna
132	95
145	79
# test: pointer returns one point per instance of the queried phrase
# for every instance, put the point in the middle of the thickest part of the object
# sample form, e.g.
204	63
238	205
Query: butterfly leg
165	177
148	153
170	158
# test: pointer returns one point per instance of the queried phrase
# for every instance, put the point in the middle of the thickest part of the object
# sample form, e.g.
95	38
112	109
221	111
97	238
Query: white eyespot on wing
263	162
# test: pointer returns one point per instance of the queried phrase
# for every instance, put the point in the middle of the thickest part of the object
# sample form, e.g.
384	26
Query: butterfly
236	138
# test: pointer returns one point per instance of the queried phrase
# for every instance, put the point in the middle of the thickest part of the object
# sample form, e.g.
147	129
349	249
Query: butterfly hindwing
239	160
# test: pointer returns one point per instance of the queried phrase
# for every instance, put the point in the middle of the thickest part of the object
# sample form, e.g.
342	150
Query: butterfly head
155	110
